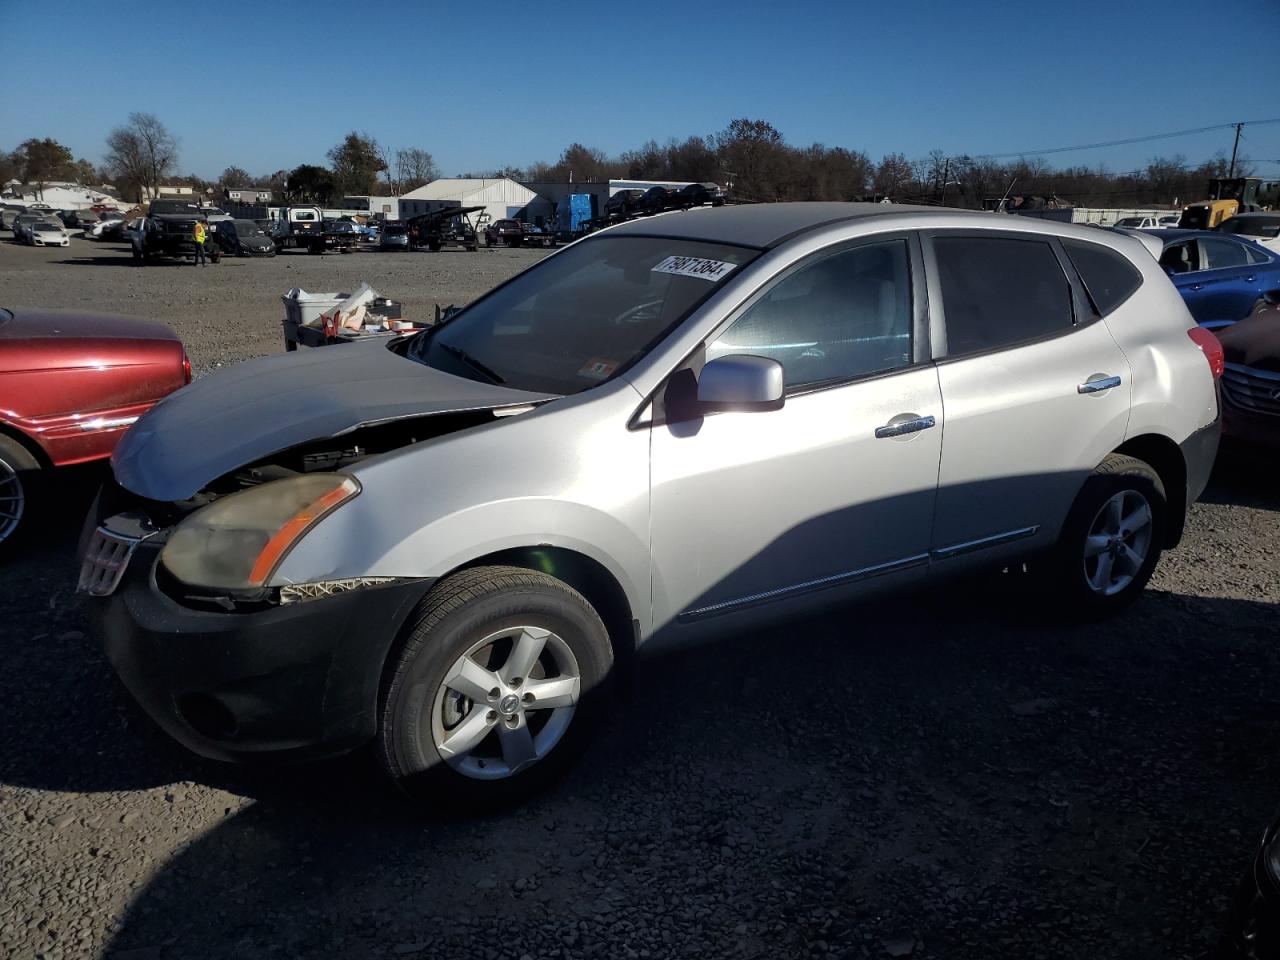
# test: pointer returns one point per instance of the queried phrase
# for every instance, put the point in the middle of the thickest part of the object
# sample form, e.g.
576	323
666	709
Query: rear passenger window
1108	276
1222	253
999	291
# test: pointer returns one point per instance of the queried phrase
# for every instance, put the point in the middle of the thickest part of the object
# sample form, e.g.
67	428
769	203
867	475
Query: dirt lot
231	310
956	778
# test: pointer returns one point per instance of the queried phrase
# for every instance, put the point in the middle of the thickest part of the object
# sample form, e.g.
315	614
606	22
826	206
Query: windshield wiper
471	362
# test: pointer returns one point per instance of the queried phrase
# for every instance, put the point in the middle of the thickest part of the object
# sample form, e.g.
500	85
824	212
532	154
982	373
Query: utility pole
946	169
1234	147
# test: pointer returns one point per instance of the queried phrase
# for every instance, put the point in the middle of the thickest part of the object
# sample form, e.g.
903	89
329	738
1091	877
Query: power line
1124	142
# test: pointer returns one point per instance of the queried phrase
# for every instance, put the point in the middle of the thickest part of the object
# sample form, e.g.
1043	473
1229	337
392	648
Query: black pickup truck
168	230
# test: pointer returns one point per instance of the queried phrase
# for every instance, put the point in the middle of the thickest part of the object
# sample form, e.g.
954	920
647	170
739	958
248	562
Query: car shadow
1036	769
1244	475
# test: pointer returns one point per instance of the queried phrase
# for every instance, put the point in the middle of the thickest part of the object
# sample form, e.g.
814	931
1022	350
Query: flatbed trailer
609	220
447	227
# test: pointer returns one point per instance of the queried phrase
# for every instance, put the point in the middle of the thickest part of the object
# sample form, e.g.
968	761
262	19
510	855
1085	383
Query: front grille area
104	562
1251	389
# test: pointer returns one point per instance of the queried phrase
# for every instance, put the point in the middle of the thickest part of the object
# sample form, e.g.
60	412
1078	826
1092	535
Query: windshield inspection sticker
597	369
712	270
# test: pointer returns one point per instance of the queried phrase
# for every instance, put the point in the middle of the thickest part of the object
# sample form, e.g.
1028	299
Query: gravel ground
955	778
231	310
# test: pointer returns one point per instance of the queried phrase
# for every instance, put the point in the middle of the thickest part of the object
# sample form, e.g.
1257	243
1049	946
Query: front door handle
1097	383
903	424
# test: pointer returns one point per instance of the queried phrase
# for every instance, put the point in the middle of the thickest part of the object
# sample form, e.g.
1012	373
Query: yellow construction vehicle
1228	196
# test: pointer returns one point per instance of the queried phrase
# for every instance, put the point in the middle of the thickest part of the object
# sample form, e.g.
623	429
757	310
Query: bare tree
142	153
235	176
415	167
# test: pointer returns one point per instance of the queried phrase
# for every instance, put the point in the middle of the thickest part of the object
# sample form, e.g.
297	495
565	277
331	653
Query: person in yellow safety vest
199	237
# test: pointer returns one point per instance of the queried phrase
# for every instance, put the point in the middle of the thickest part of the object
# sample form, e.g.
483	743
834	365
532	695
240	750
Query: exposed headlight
237	542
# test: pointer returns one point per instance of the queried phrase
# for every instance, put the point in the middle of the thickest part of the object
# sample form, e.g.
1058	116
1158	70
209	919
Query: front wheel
1112	539
18	473
495	689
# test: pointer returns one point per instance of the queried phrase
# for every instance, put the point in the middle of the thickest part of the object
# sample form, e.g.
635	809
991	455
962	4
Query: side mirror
742	383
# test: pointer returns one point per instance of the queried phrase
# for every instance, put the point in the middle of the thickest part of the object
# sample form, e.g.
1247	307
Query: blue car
1220	275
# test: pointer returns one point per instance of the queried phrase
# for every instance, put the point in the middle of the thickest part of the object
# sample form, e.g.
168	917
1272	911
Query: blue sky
268	85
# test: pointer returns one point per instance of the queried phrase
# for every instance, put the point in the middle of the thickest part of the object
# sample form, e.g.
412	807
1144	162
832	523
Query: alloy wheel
1118	542
13	500
506	702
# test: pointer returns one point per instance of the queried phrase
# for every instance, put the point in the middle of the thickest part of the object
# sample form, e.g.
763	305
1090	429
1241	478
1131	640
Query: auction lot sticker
712	270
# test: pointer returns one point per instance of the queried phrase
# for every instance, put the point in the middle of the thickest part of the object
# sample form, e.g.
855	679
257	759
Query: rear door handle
1097	383
900	428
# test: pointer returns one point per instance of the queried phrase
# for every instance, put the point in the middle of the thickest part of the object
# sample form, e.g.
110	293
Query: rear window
1108	276
999	291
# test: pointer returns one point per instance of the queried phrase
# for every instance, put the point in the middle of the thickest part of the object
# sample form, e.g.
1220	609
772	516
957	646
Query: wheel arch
585	574
38	453
1165	457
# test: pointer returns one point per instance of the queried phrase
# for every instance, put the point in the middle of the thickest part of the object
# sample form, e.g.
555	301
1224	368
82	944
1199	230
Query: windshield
1195	218
46	225
1252	226
393	230
582	316
247	228
1129	222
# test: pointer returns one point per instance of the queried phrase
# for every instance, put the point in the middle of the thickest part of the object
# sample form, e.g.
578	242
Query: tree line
749	156
754	159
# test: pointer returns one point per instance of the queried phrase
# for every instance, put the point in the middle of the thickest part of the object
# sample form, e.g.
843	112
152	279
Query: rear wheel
1112	538
495	689
19	471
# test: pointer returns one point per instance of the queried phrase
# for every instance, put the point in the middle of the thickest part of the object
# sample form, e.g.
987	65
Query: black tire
458	613
1064	575
19	476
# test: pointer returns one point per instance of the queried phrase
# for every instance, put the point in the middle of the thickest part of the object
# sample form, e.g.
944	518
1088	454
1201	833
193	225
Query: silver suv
450	545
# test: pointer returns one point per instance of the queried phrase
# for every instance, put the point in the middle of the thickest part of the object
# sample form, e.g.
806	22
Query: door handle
1097	383
901	428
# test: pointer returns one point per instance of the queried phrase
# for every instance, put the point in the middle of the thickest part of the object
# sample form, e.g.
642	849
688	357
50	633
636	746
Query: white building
248	194
386	207
502	198
60	195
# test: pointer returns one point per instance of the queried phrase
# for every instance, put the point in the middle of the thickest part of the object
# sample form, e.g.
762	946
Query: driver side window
842	316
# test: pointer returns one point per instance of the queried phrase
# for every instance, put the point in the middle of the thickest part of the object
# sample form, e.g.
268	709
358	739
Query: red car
1251	380
70	385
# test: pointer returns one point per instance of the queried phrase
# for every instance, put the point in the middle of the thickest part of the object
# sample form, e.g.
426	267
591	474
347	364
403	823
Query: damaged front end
218	548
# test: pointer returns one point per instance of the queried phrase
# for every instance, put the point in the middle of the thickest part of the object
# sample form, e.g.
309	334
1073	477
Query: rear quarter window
1108	276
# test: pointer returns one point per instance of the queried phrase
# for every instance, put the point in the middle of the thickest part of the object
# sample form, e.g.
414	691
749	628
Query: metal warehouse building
501	198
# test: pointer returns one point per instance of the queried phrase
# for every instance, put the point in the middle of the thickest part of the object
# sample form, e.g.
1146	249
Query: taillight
1211	346
186	368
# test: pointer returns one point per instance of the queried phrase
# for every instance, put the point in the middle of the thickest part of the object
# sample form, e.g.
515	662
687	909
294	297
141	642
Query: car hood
21	324
254	409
